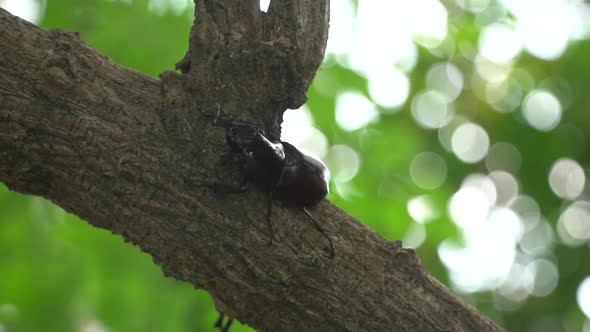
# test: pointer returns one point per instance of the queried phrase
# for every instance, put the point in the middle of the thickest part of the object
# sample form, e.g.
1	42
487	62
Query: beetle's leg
221	188
271	230
321	230
227	325
219	322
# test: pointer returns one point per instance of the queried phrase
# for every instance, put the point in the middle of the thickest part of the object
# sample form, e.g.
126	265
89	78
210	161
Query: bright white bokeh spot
469	206
354	111
376	22
470	142
297	128
505	157
431	109
567	178
581	28
370	36
341	28
415	236
546	277
583	296
481	264
545	25
506	186
428	170
482	183
429	22
296	125
389	88
508	221
343	162
542	110
499	43
422	209
575	220
29	10
445	78
264	5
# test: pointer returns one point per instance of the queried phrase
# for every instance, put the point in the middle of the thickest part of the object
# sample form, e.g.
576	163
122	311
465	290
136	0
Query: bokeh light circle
483	183
389	88
506	186
567	178
354	111
422	209
431	109
469	205
499	43
583	296
428	170
542	110
470	142
445	78
528	210
343	162
575	220
504	96
546	277
503	156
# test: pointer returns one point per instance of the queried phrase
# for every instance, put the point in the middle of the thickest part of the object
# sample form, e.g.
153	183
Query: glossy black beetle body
279	167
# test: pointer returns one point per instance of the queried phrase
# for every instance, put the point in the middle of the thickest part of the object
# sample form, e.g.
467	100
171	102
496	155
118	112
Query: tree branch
113	146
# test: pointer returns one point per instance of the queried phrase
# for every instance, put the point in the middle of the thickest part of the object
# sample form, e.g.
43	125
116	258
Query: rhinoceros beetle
278	168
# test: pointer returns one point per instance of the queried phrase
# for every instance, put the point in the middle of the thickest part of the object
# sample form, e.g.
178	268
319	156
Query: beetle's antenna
321	230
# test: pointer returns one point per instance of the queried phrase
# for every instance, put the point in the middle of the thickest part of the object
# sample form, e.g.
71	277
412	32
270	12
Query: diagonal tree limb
113	146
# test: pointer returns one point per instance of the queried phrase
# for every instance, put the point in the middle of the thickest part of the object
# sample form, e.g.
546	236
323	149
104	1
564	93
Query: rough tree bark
113	146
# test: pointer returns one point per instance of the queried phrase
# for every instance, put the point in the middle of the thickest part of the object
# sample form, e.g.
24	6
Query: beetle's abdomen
301	188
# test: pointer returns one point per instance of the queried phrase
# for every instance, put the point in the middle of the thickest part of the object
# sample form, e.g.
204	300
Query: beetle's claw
219	323
321	230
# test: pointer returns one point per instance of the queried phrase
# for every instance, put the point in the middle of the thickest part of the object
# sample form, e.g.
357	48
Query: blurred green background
458	126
